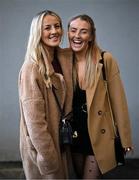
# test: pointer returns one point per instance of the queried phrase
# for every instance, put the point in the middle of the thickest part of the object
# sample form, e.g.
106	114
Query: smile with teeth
54	37
77	43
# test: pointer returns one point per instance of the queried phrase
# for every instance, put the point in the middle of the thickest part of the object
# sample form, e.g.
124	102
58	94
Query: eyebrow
77	28
50	24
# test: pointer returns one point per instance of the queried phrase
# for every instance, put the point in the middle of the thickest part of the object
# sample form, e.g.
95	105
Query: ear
68	39
62	32
91	38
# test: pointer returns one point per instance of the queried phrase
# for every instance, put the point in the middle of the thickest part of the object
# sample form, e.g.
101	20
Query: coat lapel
58	83
63	83
90	92
59	87
65	60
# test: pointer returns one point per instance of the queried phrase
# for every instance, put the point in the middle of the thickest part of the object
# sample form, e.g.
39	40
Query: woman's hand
128	149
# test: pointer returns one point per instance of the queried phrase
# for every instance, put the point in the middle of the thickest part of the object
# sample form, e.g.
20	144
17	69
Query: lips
76	43
55	38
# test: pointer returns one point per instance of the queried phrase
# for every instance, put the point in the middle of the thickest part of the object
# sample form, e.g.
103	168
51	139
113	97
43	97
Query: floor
129	171
13	170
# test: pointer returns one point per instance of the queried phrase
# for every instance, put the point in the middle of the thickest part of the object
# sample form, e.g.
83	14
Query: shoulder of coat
107	55
29	65
111	64
28	68
65	51
109	58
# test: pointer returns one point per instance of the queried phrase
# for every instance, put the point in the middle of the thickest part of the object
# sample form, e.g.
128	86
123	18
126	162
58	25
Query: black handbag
65	128
65	131
119	150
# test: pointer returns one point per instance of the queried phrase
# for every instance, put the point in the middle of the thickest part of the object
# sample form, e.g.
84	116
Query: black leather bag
65	129
119	150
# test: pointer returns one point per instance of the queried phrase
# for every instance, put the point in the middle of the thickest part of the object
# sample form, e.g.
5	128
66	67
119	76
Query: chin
76	49
55	44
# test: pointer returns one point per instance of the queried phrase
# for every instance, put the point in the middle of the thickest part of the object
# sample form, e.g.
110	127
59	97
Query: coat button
103	131
100	113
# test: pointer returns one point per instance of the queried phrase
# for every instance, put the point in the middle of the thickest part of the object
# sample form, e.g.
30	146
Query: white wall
117	24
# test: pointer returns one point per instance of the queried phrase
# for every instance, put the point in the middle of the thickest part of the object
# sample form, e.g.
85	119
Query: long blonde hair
92	54
35	50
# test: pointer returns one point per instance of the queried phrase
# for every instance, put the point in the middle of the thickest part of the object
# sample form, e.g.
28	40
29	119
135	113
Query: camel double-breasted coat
100	124
40	115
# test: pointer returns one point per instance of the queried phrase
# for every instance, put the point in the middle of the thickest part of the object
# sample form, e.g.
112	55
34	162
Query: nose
77	34
53	30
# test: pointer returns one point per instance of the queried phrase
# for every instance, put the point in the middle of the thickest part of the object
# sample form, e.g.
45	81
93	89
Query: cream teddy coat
39	125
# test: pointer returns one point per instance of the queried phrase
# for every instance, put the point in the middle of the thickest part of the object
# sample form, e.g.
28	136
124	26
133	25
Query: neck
80	57
50	51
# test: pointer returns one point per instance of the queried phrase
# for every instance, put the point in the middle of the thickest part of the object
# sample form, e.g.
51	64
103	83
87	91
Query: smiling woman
79	32
51	31
92	118
45	67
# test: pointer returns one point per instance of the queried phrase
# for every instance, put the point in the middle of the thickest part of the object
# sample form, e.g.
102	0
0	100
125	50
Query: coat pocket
48	162
31	150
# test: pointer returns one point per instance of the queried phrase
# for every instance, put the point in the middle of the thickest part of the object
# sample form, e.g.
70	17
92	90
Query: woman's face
51	31
79	34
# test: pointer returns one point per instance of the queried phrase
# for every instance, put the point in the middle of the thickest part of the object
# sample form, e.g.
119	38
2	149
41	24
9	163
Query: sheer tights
86	166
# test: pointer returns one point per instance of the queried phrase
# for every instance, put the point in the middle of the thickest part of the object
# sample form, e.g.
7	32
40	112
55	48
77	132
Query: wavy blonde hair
35	50
92	54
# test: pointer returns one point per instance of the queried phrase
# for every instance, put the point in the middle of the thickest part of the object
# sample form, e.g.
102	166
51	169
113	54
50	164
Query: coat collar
90	92
55	77
63	83
65	60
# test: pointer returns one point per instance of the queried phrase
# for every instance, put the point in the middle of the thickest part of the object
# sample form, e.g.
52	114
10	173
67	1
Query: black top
82	143
56	65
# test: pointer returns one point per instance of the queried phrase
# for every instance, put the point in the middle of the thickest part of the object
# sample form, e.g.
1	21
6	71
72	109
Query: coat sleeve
118	100
33	105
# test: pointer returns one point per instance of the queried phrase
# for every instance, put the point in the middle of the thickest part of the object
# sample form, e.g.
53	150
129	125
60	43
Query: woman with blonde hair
93	146
44	68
